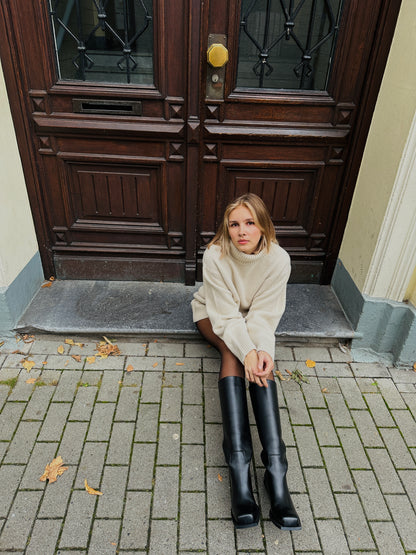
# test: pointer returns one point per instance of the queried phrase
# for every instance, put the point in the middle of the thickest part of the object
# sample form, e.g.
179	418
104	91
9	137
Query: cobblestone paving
150	440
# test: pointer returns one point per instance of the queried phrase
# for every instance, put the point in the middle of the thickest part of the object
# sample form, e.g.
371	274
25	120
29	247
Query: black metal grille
103	40
310	26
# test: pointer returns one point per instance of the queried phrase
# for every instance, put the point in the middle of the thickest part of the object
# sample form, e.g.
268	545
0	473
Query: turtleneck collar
243	257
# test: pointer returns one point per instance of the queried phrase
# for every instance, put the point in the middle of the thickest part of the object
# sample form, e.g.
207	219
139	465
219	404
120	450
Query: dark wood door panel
138	196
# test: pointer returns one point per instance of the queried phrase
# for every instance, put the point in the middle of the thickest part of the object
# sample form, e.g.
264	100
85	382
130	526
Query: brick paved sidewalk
150	440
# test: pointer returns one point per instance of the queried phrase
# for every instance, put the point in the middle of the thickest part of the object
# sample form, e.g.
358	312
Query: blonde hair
261	218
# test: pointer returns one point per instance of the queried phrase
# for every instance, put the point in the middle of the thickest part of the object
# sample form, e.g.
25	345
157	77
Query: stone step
163	309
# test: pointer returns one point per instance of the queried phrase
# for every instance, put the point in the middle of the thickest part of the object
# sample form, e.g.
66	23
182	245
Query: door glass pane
104	40
287	44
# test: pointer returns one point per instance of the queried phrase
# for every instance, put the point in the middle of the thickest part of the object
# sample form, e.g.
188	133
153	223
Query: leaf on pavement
219	477
53	470
414	367
69	341
106	348
61	349
31	380
280	376
90	490
1	343
324	390
154	365
28	364
76	357
91	359
310	363
129	368
299	377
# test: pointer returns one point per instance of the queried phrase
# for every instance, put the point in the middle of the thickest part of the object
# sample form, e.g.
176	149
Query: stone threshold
163	309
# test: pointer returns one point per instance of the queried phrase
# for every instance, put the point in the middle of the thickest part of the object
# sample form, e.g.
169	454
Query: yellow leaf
154	365
31	380
219	477
179	364
90	490
310	363
53	470
76	357
324	390
69	341
61	349
414	367
66	363
28	364
129	368
91	359
1	343
107	340
79	344
44	362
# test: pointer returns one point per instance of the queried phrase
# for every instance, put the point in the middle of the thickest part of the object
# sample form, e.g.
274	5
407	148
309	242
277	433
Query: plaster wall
18	242
410	295
392	120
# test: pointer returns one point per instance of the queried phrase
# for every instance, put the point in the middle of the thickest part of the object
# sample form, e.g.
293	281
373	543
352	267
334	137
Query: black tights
230	365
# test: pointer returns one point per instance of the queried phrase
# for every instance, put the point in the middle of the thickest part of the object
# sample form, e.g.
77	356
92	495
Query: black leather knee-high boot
266	411
238	450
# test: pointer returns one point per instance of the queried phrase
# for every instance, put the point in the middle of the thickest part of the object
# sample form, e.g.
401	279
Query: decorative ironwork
309	25
105	29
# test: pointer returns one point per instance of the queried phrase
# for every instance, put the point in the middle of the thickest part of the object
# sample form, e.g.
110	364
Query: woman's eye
250	223
233	225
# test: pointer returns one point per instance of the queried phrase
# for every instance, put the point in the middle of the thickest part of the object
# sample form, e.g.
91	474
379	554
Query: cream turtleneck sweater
244	296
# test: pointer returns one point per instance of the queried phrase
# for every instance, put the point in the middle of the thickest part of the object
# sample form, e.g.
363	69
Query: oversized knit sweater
244	296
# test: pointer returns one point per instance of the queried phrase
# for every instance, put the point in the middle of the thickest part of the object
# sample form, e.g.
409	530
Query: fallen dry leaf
90	490
324	390
219	477
1	343
288	371
53	470
17	352
414	367
129	368
179	364
280	376
61	349
47	284
76	357
28	338
44	362
31	380
28	364
154	365
91	359
69	341
106	348
310	363
66	363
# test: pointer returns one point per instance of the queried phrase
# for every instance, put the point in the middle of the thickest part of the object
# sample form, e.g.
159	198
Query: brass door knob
217	55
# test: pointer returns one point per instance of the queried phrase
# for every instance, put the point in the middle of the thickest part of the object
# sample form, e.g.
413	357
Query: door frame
14	74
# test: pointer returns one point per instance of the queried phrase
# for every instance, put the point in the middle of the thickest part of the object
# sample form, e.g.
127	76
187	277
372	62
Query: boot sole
240	526
288	528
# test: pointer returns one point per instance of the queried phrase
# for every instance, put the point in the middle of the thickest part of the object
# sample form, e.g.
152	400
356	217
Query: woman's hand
254	367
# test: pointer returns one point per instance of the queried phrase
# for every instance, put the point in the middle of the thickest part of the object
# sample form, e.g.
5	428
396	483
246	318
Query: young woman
237	310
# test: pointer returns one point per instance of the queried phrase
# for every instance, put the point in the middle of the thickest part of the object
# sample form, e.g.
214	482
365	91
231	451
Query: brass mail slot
101	106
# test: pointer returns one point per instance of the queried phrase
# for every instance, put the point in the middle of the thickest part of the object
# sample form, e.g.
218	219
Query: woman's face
244	233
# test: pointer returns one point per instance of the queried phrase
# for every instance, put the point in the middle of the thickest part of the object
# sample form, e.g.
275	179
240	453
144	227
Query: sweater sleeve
267	308
223	311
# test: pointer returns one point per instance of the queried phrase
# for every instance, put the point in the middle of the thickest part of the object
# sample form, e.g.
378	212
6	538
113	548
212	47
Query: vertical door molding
394	257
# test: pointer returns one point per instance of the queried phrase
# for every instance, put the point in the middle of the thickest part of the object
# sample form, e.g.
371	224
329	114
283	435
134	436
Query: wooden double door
133	142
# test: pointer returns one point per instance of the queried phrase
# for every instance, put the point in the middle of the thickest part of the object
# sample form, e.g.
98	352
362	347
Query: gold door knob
217	55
